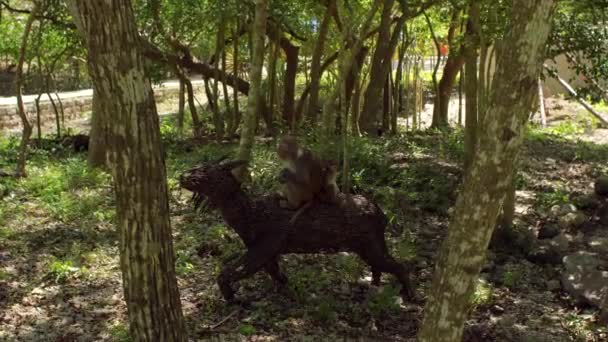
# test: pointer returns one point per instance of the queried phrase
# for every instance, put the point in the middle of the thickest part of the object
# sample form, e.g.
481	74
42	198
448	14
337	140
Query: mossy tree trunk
470	53
315	66
27	127
126	101
491	172
255	92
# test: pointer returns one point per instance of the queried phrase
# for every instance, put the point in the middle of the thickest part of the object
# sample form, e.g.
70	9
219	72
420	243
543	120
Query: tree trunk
373	94
235	69
272	78
541	104
255	93
27	127
386	105
218	121
346	65
483	193
98	136
470	52
181	106
125	97
315	68
229	116
452	66
197	127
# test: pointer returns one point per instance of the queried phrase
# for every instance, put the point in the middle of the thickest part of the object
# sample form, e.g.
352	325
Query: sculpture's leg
257	257
376	274
273	269
381	261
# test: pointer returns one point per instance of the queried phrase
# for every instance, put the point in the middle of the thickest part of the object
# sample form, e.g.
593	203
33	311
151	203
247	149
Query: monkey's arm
300	177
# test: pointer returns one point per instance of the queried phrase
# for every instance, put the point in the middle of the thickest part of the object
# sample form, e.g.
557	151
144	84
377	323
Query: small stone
598	244
548	231
586	201
553	285
497	309
572	219
603	215
601	186
560	243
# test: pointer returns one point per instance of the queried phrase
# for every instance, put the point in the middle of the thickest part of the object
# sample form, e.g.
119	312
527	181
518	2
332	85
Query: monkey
304	178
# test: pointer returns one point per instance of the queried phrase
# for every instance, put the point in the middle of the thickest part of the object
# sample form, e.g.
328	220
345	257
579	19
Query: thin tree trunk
229	113
460	86
477	208
315	68
27	127
436	119
235	69
345	67
272	79
98	136
38	118
218	121
541	104
127	104
196	122
386	105
481	83
453	64
255	91
181	106
472	41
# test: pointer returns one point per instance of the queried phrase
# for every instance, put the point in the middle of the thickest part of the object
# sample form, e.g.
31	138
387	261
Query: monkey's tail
300	211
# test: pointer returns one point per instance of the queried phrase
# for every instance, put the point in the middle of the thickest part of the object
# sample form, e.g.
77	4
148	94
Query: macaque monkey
304	177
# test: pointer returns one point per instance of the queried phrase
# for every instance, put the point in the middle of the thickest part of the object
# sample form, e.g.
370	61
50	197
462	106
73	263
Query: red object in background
443	49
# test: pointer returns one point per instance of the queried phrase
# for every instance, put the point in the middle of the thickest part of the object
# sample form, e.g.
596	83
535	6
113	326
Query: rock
497	309
560	243
548	231
598	244
586	201
601	186
583	280
603	215
571	219
553	285
548	252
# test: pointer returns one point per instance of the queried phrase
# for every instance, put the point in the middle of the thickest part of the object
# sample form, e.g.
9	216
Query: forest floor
60	278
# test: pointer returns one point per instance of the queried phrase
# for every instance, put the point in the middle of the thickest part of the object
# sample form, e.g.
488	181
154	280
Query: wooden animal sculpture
354	224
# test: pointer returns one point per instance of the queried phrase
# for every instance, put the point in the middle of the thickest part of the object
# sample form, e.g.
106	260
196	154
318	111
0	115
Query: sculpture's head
214	180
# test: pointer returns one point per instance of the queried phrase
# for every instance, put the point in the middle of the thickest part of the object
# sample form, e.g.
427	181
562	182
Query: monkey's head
288	148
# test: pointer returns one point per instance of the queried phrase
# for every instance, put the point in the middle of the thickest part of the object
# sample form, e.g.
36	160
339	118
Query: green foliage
61	270
70	191
482	294
247	329
120	333
384	302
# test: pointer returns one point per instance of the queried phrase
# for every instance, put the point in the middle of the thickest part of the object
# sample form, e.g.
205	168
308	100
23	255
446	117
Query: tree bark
255	95
218	121
348	60
125	96
98	136
450	71
470	53
478	205
235	70
27	127
181	106
315	68
373	94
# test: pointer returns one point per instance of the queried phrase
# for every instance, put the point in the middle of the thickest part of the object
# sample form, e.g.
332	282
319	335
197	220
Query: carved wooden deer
354	225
